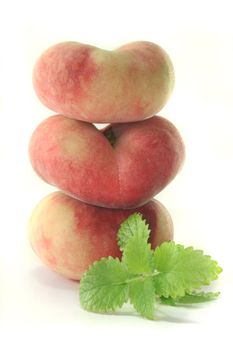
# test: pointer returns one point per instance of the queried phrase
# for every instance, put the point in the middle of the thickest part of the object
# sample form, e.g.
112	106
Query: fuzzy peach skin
122	166
69	235
100	86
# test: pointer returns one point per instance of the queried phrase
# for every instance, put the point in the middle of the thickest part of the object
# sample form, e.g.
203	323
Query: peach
69	235
100	86
121	166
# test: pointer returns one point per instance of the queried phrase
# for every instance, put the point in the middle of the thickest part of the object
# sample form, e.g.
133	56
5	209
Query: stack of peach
103	175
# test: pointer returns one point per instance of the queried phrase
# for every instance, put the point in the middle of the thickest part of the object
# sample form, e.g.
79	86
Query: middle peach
120	166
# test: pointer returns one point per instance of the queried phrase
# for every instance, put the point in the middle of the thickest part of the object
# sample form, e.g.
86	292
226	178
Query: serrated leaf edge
120	242
93	308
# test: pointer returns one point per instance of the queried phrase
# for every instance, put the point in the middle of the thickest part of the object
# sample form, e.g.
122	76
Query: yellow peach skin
100	86
69	235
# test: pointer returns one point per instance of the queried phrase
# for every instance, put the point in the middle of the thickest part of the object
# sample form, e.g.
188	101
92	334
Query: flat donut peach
121	166
87	83
69	235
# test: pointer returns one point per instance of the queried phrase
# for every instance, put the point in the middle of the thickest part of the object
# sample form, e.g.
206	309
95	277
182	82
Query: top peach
99	86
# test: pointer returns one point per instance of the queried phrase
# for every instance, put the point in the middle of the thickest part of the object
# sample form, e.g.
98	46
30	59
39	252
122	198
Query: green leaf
182	270
171	273
103	287
134	224
168	301
142	296
197	297
137	255
192	298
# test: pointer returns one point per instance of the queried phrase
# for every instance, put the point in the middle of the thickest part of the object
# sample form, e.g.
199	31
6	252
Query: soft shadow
51	279
163	314
165	317
175	314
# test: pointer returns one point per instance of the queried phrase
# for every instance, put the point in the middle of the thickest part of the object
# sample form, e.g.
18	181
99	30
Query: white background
38	308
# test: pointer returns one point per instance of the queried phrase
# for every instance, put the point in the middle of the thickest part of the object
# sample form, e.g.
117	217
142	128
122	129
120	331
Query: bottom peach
69	235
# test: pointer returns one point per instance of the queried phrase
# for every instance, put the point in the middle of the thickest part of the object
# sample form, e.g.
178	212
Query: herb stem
142	276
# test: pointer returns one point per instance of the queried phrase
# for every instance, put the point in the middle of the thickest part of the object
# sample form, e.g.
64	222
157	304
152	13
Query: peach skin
69	235
87	83
121	166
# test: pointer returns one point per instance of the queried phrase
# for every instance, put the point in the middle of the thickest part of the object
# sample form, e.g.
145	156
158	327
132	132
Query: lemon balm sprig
171	274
